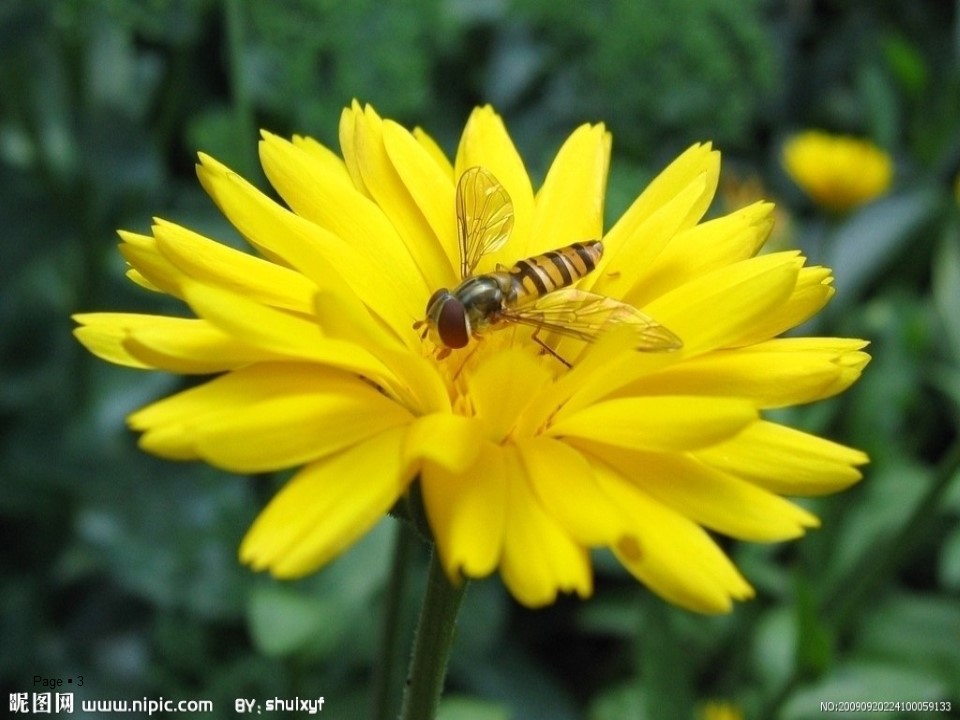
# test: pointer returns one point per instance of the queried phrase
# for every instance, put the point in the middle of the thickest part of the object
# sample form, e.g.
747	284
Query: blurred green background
122	568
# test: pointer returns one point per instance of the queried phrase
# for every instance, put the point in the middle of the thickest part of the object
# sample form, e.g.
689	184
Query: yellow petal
786	461
672	555
135	276
166	343
467	512
716	310
341	318
369	254
675	200
699	160
281	405
291	336
702	249
276	232
485	142
341	315
714	499
326	507
387	188
624	266
773	374
434	151
213	263
295	429
329	261
253	384
189	346
500	389
563	483
431	188
539	558
348	146
720	308
104	334
812	292
655	423
449	441
328	161
593	366
569	206
143	255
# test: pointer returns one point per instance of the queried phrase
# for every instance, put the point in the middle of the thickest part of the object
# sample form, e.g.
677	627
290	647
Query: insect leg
546	348
464	362
421	324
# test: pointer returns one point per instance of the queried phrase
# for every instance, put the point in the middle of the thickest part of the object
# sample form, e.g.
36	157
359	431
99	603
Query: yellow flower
838	172
524	464
720	711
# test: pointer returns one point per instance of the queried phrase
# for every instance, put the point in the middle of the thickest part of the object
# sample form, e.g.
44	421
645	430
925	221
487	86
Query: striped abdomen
542	274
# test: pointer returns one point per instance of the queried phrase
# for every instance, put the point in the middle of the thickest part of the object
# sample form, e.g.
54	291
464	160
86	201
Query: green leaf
482	620
170	541
918	632
313	617
611	613
950	561
815	647
286	621
862	681
774	650
457	707
946	287
622	701
946	378
664	674
878	511
882	104
216	132
907	63
518	681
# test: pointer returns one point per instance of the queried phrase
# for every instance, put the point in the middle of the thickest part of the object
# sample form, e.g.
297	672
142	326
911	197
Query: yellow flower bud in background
838	172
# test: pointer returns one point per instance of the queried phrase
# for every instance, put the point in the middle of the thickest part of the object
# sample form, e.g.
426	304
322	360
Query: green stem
386	681
432	645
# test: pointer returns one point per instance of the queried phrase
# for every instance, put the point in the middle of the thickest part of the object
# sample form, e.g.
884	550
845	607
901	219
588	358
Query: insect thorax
484	297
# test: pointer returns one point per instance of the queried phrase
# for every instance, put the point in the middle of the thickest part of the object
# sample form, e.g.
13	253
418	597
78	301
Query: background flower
838	172
720	711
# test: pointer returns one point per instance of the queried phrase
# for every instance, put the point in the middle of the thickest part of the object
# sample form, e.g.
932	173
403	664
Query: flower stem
386	681
431	649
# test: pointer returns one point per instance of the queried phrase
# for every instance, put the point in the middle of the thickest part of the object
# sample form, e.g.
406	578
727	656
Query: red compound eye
452	324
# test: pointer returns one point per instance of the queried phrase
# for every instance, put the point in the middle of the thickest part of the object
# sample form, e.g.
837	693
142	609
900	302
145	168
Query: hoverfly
536	291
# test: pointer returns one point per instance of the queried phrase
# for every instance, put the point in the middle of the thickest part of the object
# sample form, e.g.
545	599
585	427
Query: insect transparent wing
484	217
585	316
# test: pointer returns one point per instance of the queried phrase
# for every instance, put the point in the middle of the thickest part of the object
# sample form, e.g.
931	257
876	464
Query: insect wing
585	316
484	217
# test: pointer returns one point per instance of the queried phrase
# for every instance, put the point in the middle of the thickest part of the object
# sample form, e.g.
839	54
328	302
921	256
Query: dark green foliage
122	568
656	72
